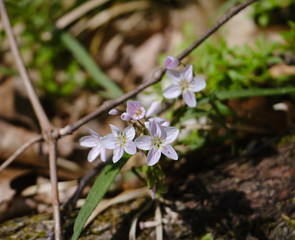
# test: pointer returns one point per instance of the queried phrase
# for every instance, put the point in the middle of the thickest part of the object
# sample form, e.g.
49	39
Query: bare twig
20	151
156	77
46	128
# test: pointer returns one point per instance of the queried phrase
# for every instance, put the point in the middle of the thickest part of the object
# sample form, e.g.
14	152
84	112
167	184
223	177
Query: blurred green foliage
236	67
48	51
273	12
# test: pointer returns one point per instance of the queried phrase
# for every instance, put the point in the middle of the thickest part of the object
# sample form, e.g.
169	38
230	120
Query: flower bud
114	112
171	62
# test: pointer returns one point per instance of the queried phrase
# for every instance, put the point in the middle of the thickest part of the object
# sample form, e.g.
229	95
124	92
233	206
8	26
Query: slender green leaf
98	190
83	57
228	94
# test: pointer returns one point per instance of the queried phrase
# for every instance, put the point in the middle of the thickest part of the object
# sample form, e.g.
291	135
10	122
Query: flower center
138	113
122	140
185	84
158	142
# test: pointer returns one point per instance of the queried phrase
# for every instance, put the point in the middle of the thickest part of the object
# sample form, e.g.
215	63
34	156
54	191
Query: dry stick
156	77
19	151
42	118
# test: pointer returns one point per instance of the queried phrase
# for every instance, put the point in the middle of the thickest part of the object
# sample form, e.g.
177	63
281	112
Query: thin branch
108	105
54	189
46	128
156	77
19	151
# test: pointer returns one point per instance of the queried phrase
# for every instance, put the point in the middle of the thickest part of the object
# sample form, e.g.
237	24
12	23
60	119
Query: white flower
185	84
158	142
161	121
93	141
120	142
171	62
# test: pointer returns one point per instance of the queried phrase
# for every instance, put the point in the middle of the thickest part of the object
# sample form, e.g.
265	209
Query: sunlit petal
93	154
129	132
188	72
103	154
189	98
130	148
117	154
155	129
169	152
153	157
197	84
109	141
173	75
144	142
171	134
116	131
172	92
89	141
93	133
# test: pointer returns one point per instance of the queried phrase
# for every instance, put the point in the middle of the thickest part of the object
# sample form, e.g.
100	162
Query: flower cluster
154	135
157	141
183	82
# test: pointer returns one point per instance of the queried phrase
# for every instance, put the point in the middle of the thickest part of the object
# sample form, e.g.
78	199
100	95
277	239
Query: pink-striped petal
197	84
93	133
153	157
188	72
169	152
93	154
174	76
130	148
103	154
155	129
189	98
117	154
172	92
171	134
129	132
144	142
109	141
116	131
89	141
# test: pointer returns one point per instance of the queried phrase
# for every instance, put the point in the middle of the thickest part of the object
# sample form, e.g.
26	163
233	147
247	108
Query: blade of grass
83	57
243	93
228	94
98	190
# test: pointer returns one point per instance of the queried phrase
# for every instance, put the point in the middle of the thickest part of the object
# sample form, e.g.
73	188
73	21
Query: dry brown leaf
282	70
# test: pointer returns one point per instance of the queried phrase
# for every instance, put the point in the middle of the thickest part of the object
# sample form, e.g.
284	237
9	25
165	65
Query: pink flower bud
171	62
135	110
125	116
